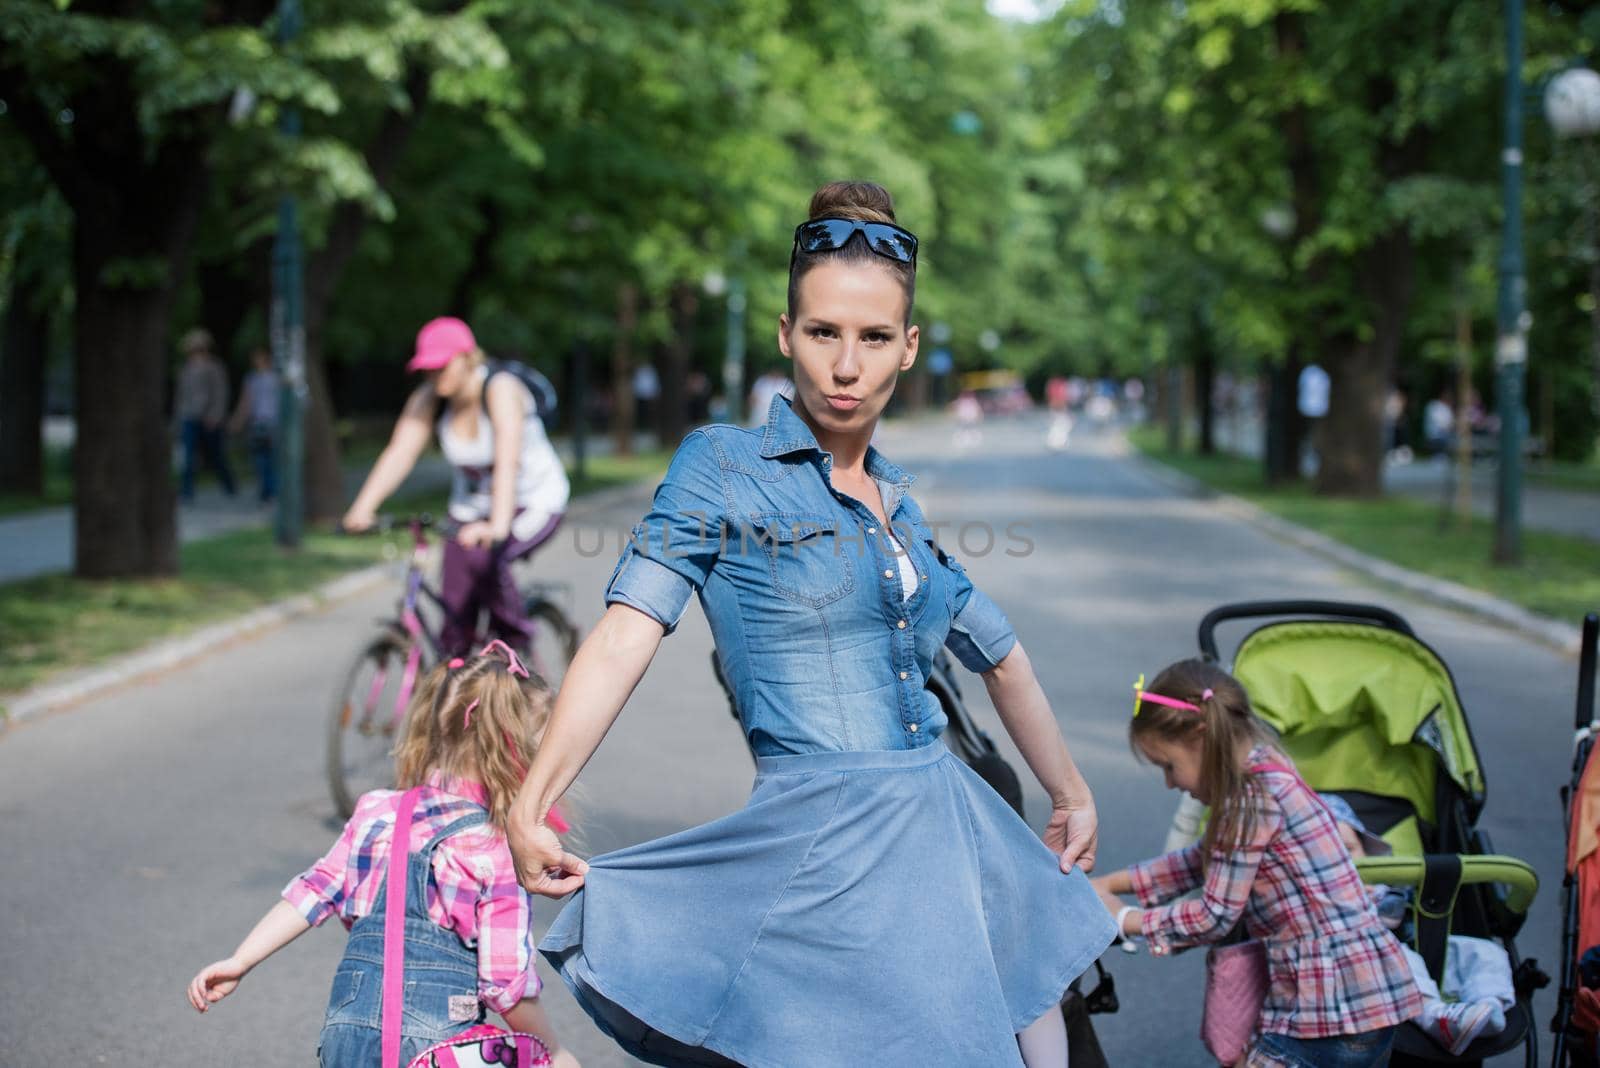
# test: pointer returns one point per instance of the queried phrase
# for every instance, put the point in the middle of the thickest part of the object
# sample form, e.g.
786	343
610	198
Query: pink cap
440	341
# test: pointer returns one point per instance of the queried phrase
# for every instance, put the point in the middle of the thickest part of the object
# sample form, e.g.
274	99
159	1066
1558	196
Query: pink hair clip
513	662
455	662
466	721
1206	696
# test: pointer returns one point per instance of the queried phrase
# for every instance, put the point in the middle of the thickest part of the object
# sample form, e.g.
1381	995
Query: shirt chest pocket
804	556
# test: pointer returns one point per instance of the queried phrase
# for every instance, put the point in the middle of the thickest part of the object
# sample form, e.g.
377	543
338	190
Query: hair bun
867	201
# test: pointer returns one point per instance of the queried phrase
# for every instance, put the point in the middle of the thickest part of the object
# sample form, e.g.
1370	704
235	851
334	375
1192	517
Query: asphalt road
145	831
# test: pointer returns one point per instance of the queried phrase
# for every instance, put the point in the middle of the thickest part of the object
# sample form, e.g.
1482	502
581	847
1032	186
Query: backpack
546	400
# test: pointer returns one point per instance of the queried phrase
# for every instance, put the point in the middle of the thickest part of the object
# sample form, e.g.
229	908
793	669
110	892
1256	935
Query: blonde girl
469	736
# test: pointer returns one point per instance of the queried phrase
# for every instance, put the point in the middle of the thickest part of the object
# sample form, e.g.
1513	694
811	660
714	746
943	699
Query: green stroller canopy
1361	708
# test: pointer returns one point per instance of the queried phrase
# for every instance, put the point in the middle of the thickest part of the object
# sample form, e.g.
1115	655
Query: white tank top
542	487
908	569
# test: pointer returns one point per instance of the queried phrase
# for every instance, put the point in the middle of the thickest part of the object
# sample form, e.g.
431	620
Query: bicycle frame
410	621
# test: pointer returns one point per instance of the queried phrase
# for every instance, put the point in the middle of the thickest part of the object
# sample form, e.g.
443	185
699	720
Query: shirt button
872	530
887	573
901	624
924	578
904	675
912	728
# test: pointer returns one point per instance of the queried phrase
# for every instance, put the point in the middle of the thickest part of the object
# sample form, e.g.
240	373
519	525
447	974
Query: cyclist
509	492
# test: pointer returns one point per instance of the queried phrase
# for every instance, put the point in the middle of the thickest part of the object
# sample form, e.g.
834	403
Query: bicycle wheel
366	717
555	640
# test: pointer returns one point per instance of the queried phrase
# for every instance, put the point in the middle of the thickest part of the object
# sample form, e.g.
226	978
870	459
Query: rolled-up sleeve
980	634
671	552
1228	880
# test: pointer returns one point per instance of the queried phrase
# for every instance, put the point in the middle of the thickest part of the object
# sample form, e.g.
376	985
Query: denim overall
439	971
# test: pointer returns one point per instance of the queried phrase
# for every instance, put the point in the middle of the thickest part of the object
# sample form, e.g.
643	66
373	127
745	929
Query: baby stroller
1367	711
1578	1007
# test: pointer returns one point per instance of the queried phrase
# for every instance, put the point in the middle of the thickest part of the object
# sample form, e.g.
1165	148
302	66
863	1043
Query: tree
120	106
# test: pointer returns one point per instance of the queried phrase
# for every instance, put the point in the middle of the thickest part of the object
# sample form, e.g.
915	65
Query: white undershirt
908	569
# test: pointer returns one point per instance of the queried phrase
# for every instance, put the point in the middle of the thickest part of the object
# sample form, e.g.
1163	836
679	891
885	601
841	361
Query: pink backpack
484	1046
1236	985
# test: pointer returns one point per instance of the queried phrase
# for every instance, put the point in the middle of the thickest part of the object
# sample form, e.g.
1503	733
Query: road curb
75	687
1561	636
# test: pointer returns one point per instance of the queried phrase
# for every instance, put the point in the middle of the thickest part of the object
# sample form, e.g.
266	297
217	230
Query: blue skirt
864	907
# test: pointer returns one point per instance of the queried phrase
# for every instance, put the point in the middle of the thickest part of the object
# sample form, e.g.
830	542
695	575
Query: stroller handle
1586	659
1520	880
1365	613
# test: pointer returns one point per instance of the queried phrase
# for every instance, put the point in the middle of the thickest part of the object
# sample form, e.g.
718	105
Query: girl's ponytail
1194	697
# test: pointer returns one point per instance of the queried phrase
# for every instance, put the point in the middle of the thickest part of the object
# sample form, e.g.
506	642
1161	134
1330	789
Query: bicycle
371	702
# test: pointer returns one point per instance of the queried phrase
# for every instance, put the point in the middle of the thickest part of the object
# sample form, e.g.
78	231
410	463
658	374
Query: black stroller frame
1583	746
1450	894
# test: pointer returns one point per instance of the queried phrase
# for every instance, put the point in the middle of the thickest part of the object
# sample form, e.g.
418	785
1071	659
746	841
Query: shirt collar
786	433
456	786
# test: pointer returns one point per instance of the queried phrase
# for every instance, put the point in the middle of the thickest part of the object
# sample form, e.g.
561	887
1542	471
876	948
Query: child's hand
1074	834
215	982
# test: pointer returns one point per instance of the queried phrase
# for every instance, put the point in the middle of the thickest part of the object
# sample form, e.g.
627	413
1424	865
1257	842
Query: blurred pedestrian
1312	394
201	405
1056	395
1438	424
646	389
257	417
772	383
968	410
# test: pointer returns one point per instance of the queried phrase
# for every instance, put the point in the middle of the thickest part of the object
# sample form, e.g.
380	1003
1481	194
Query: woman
509	491
875	902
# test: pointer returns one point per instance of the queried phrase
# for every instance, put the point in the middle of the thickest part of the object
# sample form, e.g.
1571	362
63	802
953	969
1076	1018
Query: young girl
1271	853
469	735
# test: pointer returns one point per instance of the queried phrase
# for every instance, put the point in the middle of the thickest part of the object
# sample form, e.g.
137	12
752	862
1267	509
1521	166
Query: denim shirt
803	590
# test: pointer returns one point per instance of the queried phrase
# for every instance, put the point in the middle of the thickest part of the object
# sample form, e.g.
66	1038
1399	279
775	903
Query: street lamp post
1511	345
288	332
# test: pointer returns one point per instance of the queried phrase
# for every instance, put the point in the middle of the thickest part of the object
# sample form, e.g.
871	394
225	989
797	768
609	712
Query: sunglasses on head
829	235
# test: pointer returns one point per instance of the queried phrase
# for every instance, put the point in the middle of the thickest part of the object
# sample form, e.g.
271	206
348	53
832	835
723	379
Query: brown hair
869	202
1224	722
494	745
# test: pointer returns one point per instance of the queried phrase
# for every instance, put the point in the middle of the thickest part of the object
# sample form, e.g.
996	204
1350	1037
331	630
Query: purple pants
477	579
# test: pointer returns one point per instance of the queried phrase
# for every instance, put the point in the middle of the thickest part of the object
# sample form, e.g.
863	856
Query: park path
148	828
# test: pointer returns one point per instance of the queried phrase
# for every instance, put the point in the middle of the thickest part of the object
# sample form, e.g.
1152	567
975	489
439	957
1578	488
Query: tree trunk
122	463
673	420
1284	429
1205	375
324	476
230	290
24	347
622	405
1351	445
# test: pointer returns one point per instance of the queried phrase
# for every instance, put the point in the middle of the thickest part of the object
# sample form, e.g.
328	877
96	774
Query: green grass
1558	474
57	487
56	622
1559	576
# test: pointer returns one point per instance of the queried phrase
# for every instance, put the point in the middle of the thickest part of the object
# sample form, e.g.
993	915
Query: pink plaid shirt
1333	968
473	892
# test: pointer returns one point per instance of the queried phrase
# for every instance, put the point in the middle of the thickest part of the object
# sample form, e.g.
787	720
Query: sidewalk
41	542
1559	511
